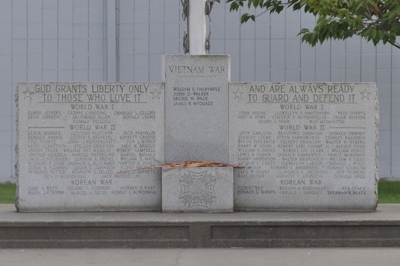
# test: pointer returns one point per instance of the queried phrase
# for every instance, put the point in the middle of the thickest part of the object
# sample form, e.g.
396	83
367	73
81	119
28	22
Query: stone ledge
160	230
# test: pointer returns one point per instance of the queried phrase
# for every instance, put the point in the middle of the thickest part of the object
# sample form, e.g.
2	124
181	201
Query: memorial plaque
75	138
200	189
196	107
307	146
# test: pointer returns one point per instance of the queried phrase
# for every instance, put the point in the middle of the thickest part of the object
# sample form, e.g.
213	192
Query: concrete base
198	189
195	230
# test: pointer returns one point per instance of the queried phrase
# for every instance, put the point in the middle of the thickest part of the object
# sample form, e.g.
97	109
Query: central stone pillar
197	27
196	106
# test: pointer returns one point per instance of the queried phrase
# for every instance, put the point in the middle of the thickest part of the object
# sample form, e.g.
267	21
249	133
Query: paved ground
203	257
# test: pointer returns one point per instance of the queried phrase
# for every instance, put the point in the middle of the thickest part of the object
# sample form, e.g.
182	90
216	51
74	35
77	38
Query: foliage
389	192
373	20
7	193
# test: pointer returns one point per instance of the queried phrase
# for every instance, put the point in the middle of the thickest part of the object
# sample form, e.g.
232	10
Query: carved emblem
155	94
28	94
238	94
197	189
365	94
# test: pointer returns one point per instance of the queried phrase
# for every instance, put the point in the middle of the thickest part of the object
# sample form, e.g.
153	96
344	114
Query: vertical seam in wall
315	59
104	39
58	39
27	42
73	40
148	45
284	47
42	75
298	68
111	40
180	29
255	52
225	32
360	79
270	49
88	26
163	34
301	43
133	40
330	60
117	41
240	48
345	61
391	109
104	42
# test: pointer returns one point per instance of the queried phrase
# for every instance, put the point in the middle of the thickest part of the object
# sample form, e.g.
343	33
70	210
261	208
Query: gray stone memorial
196	107
308	146
74	138
201	189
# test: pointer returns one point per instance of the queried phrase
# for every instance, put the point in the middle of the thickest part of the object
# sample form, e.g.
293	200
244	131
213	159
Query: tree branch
265	11
395	44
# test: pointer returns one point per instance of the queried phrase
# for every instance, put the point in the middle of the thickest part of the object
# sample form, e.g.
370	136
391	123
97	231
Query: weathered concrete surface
196	91
307	146
199	189
193	257
188	230
77	141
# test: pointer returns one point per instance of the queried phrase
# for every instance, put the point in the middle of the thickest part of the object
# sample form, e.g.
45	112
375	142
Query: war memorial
91	148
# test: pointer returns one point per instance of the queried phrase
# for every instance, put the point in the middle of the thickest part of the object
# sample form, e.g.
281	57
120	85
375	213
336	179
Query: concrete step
183	230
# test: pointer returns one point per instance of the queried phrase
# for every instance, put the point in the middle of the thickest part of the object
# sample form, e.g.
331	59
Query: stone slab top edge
86	82
301	82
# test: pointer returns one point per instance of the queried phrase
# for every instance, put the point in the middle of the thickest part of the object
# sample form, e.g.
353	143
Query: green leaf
373	20
380	34
234	7
373	33
244	18
297	6
303	31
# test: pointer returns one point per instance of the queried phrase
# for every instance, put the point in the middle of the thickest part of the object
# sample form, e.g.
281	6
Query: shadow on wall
8	179
389	178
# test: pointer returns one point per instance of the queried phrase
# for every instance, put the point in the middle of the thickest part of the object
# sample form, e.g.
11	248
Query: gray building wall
124	40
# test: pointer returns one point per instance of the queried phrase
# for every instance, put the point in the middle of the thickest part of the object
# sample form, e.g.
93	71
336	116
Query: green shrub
7	193
388	192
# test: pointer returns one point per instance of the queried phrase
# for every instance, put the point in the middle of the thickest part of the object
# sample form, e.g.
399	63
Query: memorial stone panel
199	189
196	107
307	146
75	138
